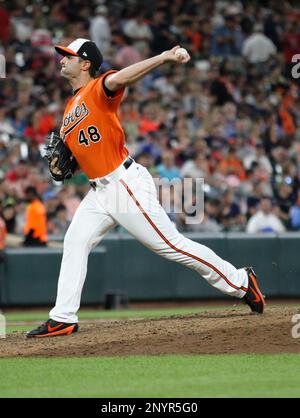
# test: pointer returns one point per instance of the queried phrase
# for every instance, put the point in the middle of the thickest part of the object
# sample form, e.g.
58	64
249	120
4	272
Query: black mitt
65	163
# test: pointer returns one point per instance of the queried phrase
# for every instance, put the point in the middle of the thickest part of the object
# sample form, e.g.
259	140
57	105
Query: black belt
126	164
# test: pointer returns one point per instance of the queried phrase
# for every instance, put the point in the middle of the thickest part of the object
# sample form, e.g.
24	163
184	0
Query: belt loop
93	185
128	162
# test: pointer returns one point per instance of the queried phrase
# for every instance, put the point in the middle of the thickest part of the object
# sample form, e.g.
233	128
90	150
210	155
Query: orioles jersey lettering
92	130
75	117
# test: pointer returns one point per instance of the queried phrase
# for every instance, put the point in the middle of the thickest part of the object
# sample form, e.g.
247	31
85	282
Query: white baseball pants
129	198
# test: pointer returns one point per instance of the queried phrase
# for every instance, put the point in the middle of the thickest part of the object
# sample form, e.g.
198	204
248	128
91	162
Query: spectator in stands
60	222
35	229
167	169
100	30
139	32
227	39
273	28
148	121
232	165
162	37
127	54
295	214
291	42
258	155
222	88
6	125
196	167
17	173
265	219
258	48
285	198
20	217
230	211
4	25
9	216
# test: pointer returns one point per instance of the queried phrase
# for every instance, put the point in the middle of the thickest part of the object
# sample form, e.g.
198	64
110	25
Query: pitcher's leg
146	220
88	227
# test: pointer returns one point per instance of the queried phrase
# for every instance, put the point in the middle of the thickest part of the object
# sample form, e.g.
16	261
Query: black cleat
254	297
52	328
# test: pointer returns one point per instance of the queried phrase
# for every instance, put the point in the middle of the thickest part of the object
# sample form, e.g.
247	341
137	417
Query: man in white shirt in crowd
139	31
265	219
258	48
100	31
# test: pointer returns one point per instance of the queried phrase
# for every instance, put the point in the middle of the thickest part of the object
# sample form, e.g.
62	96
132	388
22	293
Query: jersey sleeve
111	102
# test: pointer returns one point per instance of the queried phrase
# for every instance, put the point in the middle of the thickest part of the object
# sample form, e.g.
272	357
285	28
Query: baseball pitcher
122	192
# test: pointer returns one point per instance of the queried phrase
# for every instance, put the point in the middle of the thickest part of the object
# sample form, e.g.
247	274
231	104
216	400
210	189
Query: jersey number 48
90	134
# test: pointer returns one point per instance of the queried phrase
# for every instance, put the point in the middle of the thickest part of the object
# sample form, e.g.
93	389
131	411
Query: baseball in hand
182	52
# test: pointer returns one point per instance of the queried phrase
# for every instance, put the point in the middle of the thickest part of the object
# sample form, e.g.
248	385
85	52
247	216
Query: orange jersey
92	129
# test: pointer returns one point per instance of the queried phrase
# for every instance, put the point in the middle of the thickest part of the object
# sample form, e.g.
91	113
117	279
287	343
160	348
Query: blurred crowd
230	116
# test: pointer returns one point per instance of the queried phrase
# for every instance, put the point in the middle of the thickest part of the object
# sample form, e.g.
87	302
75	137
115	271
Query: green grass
153	376
111	314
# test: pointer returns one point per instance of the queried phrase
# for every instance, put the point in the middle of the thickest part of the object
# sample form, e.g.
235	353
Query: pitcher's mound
219	332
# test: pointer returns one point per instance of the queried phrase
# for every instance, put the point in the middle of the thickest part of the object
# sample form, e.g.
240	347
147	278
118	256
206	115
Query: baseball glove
62	163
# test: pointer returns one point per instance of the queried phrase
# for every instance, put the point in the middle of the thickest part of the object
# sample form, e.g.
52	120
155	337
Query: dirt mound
219	332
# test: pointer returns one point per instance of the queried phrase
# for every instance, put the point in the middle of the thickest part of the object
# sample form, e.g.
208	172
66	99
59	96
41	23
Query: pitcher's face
70	66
